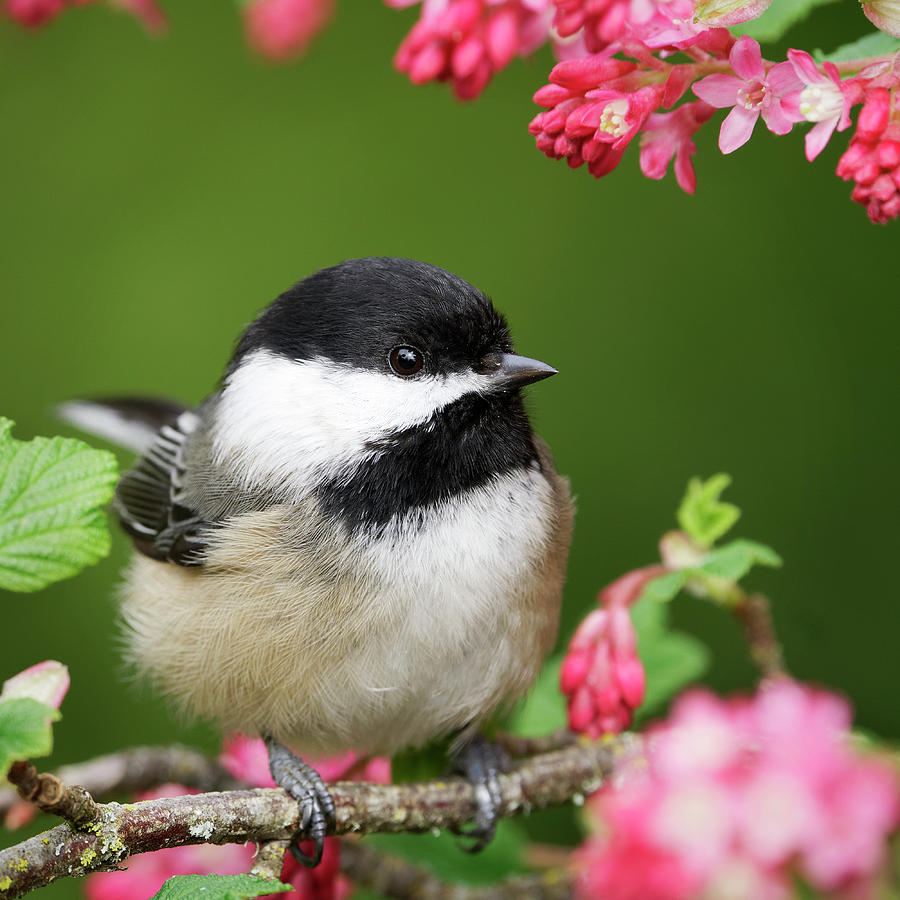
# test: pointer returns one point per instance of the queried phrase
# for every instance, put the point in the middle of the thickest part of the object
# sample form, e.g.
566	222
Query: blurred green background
158	193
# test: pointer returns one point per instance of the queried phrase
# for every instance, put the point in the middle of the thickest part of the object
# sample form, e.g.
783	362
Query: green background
157	193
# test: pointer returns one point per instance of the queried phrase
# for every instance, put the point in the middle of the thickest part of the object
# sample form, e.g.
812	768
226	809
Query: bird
357	541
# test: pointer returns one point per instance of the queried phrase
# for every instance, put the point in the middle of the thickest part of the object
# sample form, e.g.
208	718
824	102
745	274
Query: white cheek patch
291	422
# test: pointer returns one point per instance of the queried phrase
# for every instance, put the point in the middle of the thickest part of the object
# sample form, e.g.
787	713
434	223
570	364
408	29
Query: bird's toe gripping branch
305	785
482	762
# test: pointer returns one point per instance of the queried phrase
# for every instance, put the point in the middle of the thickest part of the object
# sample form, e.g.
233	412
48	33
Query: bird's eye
406	361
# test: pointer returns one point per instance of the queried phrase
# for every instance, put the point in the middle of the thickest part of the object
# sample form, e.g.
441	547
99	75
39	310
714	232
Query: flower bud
46	682
725	13
883	14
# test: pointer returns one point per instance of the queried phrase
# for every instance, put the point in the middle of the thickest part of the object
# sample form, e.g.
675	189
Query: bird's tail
131	422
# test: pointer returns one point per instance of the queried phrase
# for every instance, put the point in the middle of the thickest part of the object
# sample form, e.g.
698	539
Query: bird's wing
149	498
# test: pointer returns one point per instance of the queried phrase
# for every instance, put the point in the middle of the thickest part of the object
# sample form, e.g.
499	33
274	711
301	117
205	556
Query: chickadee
357	541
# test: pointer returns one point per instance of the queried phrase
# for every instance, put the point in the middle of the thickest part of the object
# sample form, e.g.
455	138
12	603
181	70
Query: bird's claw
305	785
482	762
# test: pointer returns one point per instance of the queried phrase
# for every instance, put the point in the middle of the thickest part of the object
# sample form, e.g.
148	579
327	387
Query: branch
401	880
755	614
139	769
268	814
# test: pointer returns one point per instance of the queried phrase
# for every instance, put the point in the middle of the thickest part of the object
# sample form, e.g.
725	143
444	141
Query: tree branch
267	814
139	769
401	880
755	614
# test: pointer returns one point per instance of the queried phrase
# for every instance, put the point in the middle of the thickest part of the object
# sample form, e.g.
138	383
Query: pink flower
601	21
466	42
738	799
752	91
282	29
670	134
872	160
602	674
34	12
824	100
595	107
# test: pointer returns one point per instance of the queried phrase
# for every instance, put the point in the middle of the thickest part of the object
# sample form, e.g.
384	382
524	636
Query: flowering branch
266	814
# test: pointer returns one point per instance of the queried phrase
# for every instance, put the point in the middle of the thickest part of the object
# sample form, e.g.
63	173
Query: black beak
517	371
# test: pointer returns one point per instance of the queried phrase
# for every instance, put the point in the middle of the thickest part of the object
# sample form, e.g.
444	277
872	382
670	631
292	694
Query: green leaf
443	853
52	524
875	44
25	730
778	19
672	660
702	515
544	709
664	587
734	560
218	887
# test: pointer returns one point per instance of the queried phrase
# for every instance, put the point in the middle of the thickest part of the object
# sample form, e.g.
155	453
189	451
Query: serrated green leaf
781	16
52	524
544	709
218	887
671	659
875	44
702	515
735	559
443	853
25	730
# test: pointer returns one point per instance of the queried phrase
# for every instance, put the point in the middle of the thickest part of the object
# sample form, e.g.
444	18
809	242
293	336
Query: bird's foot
305	785
482	762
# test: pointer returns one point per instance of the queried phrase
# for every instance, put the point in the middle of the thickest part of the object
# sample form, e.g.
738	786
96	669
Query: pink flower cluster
246	759
466	42
738	799
38	12
872	160
595	106
33	13
602	674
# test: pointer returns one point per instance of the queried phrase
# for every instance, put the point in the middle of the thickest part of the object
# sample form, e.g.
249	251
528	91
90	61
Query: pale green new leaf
875	44
52	493
218	887
702	515
25	730
735	559
781	16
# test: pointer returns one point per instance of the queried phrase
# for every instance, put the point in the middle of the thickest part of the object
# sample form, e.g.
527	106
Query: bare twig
139	769
270	860
515	745
267	814
49	794
402	880
755	613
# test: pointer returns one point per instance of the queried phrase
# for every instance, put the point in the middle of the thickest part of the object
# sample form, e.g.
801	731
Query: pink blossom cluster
740	798
602	675
466	42
247	760
33	13
872	160
596	106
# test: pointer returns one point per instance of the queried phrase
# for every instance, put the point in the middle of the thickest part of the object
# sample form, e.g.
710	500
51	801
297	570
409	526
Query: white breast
293	630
